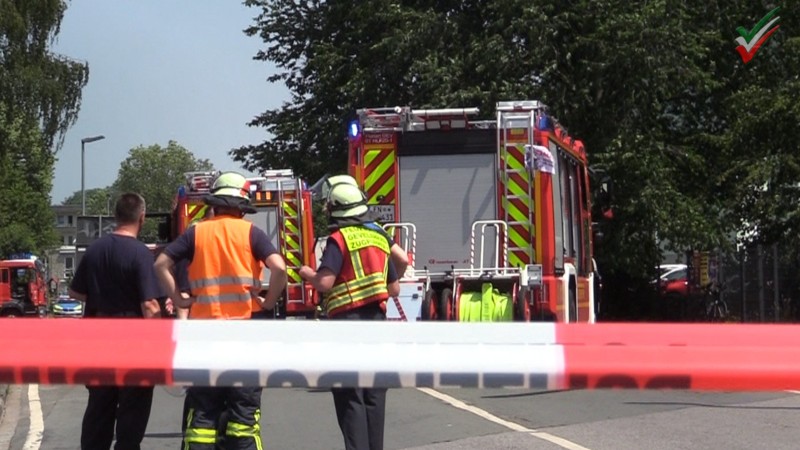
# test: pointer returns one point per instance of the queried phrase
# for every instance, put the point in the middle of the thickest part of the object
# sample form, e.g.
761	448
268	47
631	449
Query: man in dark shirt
115	278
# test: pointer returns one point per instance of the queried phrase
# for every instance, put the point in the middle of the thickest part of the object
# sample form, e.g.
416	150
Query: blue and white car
65	306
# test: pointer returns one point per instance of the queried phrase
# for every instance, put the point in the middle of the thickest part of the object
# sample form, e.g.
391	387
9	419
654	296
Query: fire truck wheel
429	305
446	305
522	308
10	313
573	304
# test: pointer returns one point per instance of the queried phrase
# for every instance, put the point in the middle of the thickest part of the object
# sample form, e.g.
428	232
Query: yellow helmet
346	200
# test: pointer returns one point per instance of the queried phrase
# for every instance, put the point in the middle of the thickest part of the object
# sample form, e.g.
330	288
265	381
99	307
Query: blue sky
161	70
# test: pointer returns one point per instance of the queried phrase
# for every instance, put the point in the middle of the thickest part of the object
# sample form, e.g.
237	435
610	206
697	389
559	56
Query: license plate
385	212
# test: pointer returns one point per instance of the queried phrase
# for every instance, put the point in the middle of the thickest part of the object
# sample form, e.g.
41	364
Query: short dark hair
128	208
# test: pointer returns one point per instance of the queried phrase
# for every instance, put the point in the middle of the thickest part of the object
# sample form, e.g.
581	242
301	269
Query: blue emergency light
354	129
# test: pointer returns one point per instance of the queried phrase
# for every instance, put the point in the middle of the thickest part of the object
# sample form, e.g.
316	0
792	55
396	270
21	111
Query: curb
3	394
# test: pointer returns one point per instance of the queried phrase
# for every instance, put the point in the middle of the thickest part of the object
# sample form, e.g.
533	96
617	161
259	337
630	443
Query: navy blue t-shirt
182	248
182	275
116	275
332	258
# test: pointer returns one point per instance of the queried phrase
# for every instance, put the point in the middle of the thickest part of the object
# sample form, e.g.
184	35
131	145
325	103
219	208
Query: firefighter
398	255
225	252
355	255
115	278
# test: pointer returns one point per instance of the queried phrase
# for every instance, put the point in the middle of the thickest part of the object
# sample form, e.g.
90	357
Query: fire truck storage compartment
447	181
267	220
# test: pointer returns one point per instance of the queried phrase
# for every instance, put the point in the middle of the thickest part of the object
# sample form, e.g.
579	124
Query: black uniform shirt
116	275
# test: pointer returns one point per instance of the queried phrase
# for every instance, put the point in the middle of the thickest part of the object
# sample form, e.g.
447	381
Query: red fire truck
23	289
283	202
486	208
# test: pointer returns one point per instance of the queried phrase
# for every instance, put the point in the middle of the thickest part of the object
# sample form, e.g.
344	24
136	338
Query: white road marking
34	439
793	392
561	442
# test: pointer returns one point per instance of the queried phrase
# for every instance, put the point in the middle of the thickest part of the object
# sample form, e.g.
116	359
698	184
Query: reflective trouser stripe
243	431
200	436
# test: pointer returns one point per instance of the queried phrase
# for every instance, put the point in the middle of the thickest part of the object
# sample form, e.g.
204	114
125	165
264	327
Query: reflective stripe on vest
365	283
221	272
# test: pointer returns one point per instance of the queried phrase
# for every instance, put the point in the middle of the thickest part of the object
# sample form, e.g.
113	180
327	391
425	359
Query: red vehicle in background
23	287
673	281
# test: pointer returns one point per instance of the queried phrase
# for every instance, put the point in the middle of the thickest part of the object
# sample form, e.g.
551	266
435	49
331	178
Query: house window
69	220
70	240
68	262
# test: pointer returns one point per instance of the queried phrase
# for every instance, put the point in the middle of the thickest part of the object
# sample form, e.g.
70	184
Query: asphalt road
493	419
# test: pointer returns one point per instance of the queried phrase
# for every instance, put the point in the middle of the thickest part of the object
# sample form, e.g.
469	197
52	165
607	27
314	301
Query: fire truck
23	289
283	202
493	213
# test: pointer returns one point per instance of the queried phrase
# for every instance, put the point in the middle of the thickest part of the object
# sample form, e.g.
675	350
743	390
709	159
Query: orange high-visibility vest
221	272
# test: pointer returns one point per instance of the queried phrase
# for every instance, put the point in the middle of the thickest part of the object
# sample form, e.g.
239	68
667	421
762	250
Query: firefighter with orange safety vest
225	252
357	275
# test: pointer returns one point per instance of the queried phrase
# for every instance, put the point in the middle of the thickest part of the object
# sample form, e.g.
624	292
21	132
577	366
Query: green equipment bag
489	305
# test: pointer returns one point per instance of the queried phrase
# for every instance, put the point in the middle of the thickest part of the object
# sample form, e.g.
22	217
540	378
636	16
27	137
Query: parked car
673	280
65	306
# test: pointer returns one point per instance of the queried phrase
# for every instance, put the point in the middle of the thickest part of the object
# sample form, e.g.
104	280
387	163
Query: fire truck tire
429	305
10	313
573	304
522	308
446	305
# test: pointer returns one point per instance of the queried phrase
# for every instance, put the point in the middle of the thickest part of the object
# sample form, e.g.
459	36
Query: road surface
49	418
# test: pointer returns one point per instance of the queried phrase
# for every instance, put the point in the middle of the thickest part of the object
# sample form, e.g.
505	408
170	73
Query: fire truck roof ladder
200	182
407	119
515	128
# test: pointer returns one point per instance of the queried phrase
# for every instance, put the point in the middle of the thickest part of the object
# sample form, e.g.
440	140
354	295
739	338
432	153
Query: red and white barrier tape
391	354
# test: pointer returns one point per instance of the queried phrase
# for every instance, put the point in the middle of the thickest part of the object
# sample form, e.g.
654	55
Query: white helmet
346	200
334	180
231	189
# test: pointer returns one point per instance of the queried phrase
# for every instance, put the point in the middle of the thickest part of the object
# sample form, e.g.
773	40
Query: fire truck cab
23	289
283	204
500	208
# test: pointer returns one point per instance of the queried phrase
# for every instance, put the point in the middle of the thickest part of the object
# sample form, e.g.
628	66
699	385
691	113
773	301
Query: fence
761	283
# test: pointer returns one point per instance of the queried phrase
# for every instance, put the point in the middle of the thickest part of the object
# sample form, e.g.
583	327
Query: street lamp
85	141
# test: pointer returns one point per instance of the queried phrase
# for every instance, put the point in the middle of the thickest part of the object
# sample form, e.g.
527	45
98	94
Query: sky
159	70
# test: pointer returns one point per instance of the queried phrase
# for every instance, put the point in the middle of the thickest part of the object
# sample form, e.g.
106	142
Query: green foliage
39	100
27	220
34	81
99	201
655	89
155	172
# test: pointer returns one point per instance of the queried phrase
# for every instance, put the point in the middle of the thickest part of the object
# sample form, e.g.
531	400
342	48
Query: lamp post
85	141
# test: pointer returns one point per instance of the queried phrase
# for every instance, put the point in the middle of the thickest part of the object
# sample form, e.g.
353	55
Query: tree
155	172
662	117
27	224
40	96
99	201
35	82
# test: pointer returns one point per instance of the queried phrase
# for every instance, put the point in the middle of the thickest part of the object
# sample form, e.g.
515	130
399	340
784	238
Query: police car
65	306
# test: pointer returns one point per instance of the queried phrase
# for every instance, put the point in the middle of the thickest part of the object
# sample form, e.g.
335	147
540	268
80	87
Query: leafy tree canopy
655	89
27	220
155	172
99	201
40	96
33	80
